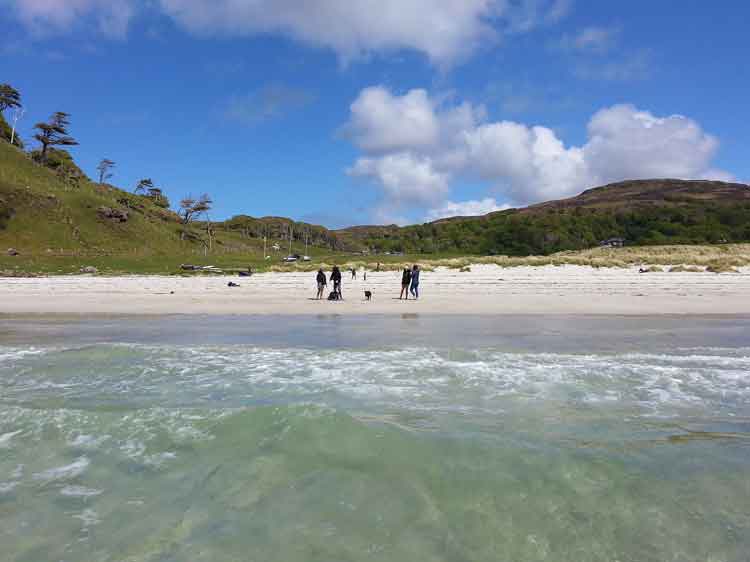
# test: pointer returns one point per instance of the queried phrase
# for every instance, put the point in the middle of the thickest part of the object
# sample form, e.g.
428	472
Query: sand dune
487	289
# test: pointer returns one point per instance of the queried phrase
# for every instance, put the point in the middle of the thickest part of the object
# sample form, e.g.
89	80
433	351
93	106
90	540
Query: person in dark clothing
354	273
405	280
321	280
336	278
415	281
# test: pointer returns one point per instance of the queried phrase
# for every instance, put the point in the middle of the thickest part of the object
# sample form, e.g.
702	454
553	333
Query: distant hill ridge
655	211
658	191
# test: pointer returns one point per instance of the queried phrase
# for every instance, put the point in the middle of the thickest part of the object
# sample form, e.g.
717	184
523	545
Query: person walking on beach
336	278
354	273
405	280
321	280
415	281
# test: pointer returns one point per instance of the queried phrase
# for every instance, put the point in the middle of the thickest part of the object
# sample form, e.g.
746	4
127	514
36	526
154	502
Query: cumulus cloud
525	163
405	179
381	122
469	208
625	142
522	164
52	16
444	30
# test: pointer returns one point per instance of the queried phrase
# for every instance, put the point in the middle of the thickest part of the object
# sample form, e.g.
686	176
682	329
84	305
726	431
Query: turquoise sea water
380	439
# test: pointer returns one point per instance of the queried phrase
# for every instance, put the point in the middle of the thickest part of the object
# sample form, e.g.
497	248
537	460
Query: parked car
305	258
290	259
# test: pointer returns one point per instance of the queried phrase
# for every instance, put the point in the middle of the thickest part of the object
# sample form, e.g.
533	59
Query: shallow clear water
117	447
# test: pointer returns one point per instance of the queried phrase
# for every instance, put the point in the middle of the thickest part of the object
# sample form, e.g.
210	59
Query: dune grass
730	255
685	269
685	259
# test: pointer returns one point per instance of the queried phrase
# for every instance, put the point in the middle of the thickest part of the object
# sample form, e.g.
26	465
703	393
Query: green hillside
645	212
41	211
57	220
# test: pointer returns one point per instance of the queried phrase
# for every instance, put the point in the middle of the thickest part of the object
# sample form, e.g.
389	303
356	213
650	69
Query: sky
343	112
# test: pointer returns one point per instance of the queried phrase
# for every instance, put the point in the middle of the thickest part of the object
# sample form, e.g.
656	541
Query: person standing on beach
321	280
415	281
336	278
354	273
405	280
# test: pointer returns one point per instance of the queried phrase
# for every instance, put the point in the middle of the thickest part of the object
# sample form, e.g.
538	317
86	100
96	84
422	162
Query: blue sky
391	111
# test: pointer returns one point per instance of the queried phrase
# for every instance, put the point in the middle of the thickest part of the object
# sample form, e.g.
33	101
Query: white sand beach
487	289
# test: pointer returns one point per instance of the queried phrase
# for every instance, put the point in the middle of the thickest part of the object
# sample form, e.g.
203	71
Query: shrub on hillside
62	163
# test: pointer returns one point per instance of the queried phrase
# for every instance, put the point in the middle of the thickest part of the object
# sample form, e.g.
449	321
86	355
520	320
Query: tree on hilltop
54	133
146	188
145	185
9	97
191	208
157	196
104	168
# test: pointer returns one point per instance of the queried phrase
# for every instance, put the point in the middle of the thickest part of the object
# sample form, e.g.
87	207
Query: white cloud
469	208
597	40
714	174
526	164
522	164
558	10
627	143
405	179
444	30
381	122
268	102
628	67
524	15
54	16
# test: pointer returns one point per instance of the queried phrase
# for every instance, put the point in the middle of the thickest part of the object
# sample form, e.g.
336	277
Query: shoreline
487	290
461	333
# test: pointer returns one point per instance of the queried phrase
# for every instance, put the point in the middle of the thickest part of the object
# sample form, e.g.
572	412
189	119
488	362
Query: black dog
368	295
334	296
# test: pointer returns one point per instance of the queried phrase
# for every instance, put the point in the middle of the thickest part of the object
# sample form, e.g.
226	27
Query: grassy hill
58	220
646	212
42	211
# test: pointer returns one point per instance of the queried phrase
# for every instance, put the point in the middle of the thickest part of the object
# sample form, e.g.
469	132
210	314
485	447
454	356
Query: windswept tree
54	133
157	196
147	188
9	97
104	168
144	186
191	208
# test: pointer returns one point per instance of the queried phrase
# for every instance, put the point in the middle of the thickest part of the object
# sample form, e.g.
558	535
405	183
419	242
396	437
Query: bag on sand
333	296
